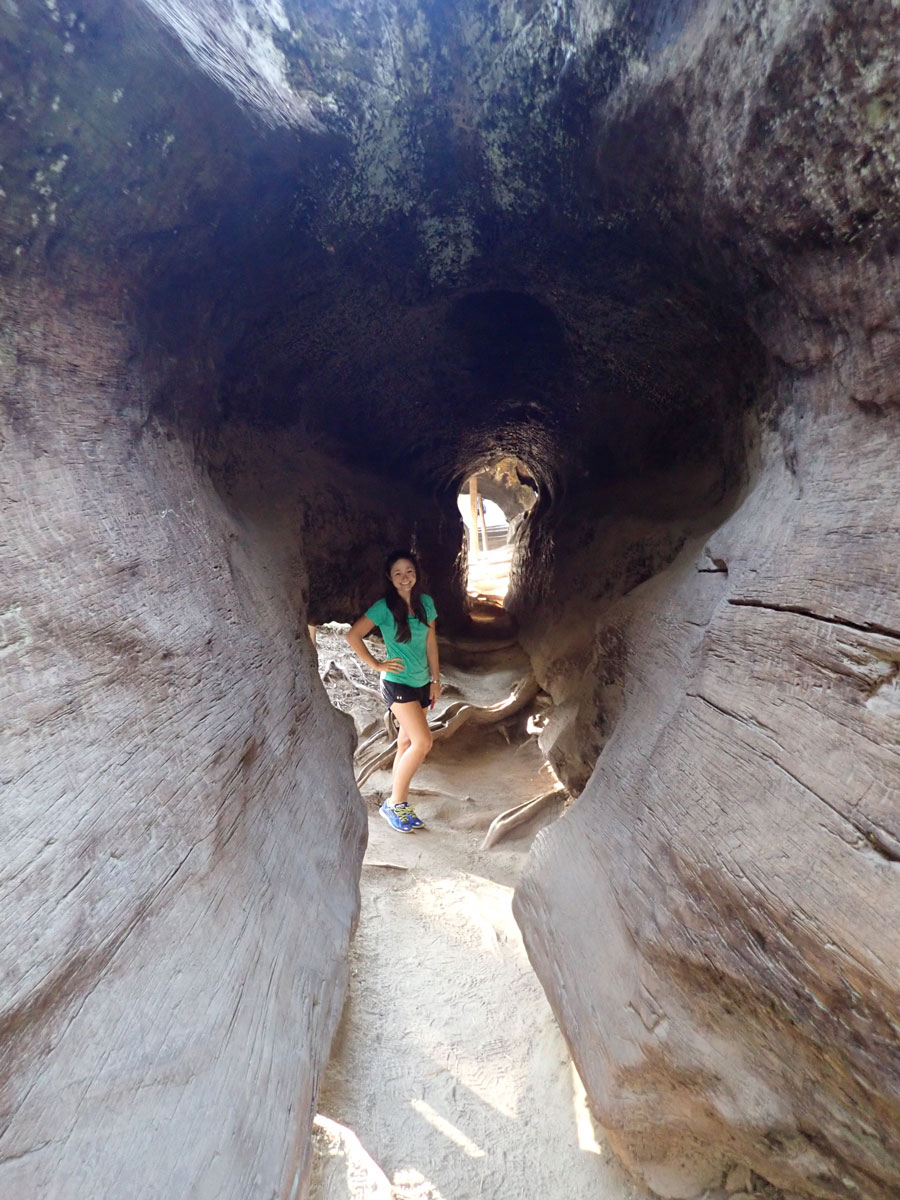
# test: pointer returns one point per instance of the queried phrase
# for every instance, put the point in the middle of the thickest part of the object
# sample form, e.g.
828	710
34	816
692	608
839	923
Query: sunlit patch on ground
584	1122
410	1184
447	1128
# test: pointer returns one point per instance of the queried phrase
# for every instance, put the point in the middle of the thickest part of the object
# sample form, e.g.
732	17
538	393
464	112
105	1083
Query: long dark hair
395	602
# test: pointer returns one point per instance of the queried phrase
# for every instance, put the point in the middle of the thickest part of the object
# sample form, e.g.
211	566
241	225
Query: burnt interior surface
618	364
499	274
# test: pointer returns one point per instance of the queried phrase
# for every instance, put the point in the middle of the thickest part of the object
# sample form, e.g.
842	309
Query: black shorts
402	693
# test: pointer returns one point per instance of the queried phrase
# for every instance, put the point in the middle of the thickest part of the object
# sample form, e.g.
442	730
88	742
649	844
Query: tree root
484	645
336	667
370	758
512	818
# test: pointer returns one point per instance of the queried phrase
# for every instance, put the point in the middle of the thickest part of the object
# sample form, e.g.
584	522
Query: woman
410	675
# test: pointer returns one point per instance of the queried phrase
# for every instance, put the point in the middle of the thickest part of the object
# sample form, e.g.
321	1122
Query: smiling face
403	576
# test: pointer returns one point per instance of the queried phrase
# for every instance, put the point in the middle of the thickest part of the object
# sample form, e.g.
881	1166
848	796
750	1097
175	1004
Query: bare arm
354	636
434	666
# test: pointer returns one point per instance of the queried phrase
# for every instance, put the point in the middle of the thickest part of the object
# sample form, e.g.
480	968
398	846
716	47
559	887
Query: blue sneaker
406	810
399	820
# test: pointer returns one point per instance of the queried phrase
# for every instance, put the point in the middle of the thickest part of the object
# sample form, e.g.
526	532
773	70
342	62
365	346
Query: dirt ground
448	1066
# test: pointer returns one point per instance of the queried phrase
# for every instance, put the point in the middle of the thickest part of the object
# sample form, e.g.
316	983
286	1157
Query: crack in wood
751	722
876	839
20	1154
800	611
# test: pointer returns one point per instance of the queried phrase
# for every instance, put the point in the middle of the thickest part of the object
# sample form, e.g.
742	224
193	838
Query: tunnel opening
339	425
494	504
337	422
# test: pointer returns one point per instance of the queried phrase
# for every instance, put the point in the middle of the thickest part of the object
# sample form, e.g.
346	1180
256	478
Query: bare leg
403	744
413	743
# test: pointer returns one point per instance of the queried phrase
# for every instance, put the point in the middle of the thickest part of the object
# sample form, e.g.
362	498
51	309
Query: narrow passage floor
448	1066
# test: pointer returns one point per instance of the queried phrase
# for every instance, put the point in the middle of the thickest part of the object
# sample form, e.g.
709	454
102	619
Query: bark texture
731	998
181	832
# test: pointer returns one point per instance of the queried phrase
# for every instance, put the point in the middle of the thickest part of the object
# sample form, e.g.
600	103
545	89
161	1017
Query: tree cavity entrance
494	504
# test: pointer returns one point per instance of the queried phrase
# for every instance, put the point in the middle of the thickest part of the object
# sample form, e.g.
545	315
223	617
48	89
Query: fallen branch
512	818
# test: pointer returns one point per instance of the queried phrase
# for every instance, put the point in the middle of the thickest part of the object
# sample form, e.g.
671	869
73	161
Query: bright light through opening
490	551
494	505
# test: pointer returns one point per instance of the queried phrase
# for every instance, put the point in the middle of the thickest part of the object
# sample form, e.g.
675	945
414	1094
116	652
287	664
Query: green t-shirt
412	653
